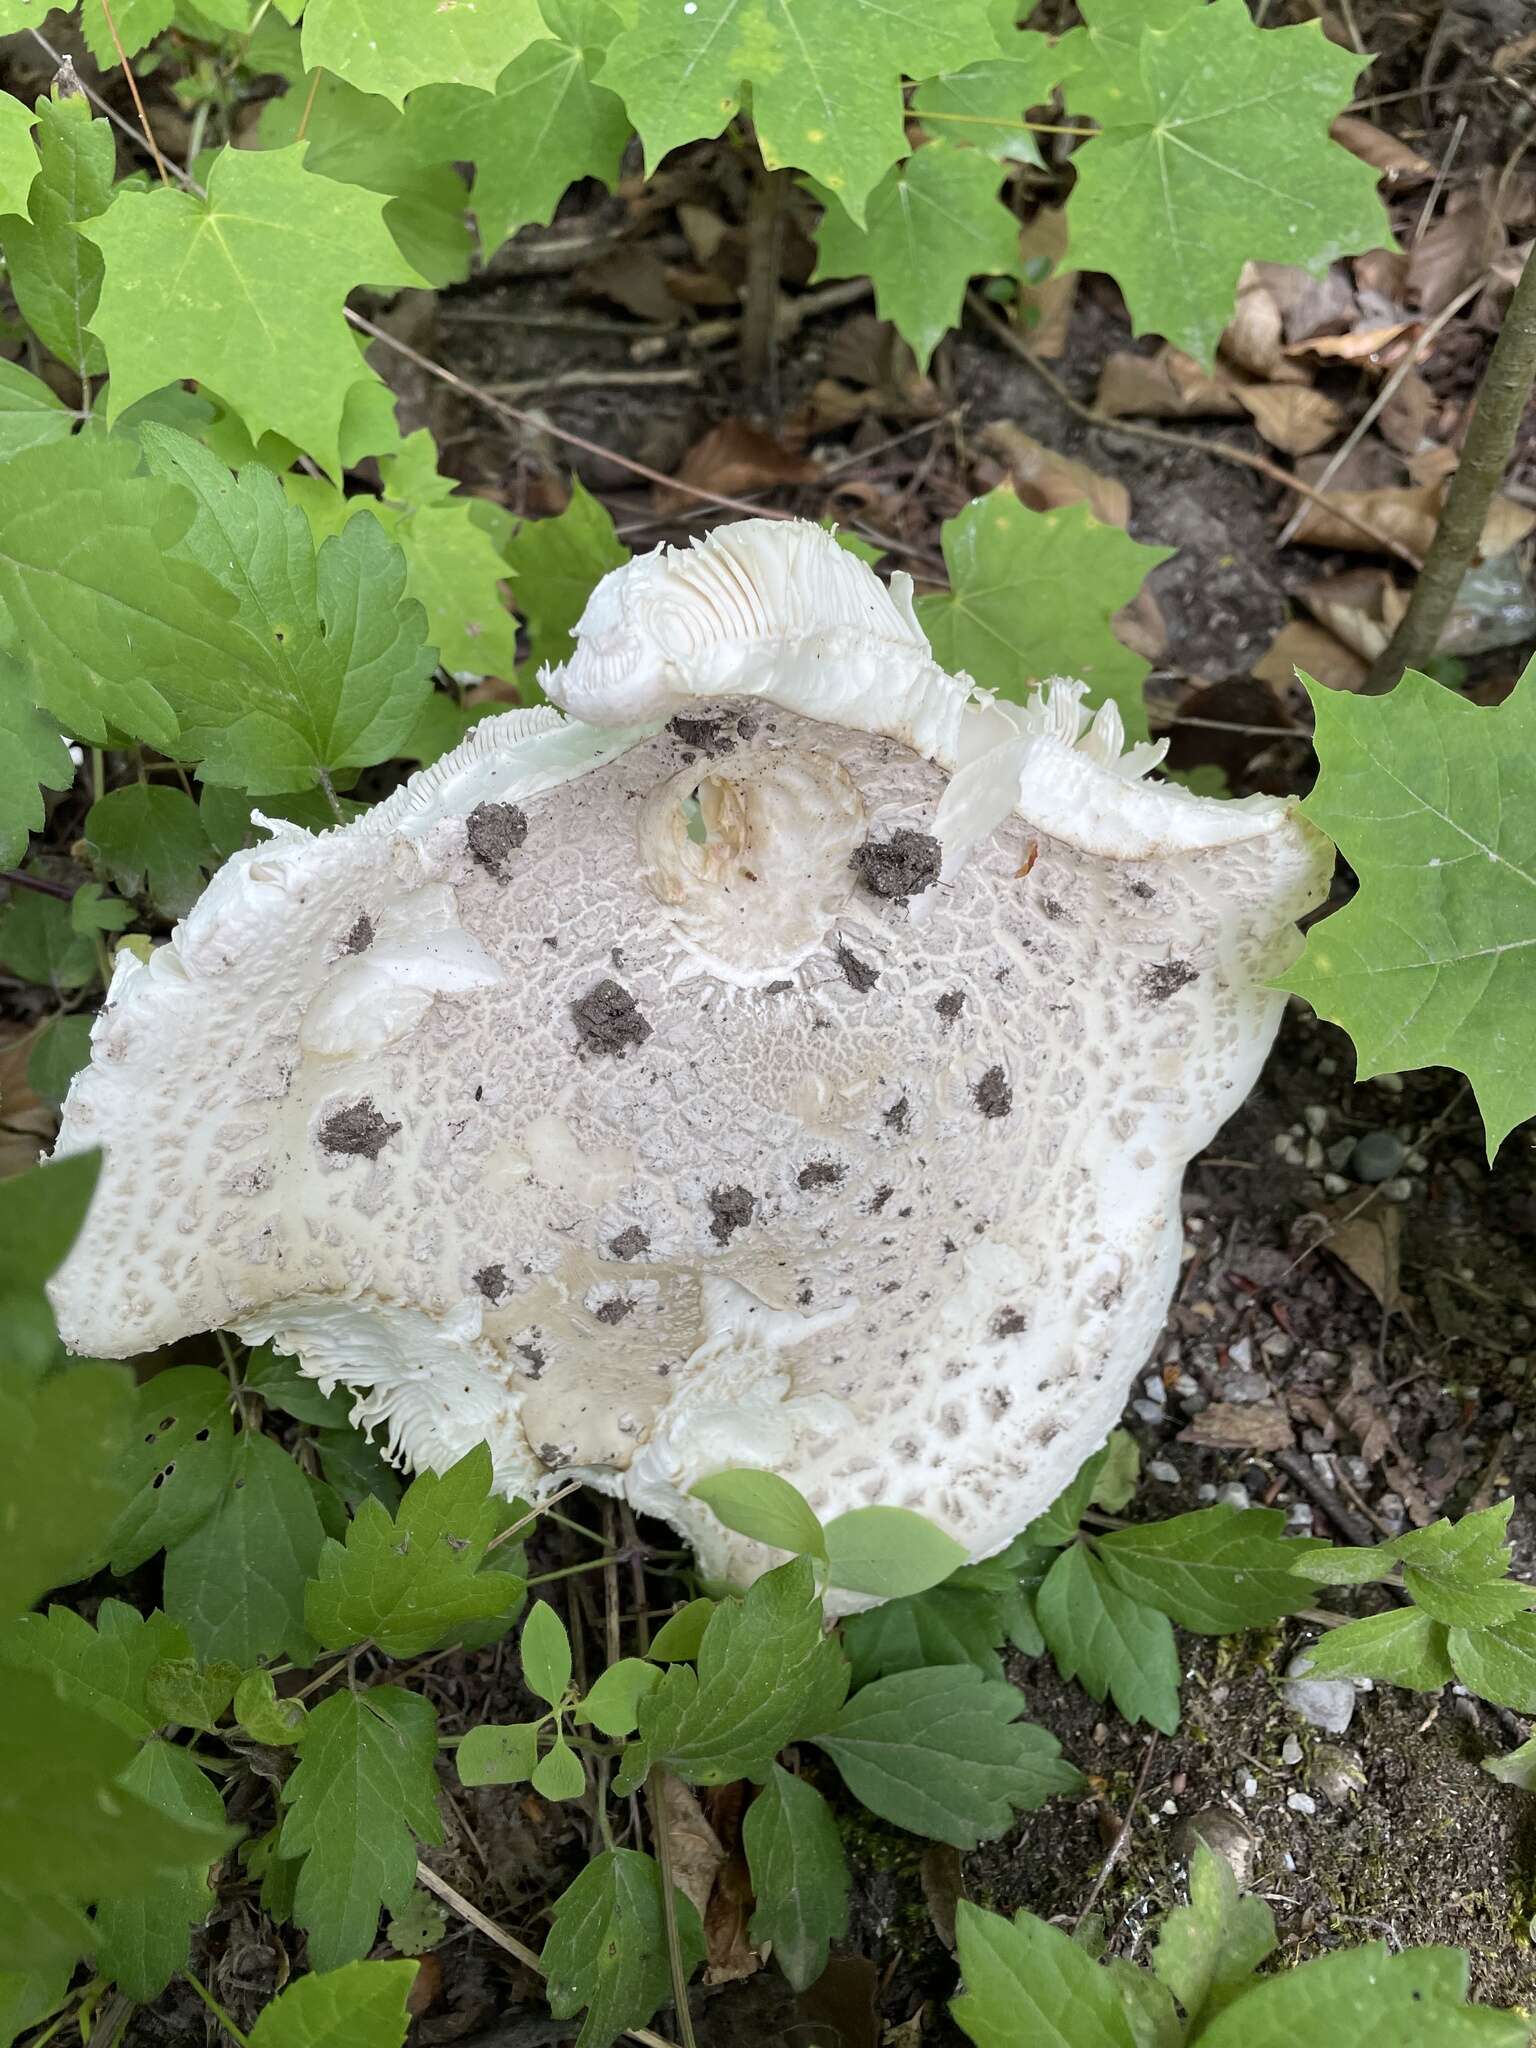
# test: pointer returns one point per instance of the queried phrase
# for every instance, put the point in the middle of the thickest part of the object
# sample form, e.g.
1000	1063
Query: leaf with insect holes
145	1937
1026	1980
766	1676
364	1790
607	1947
944	1754
547	124
54	272
825	77
1032	594
361	2005
392	46
1367	1997
764	1507
33	755
932	224
1216	1571
176	1464
265	217
799	1875
411	1582
1108	1641
1401	1647
1208	1950
237	1580
558	563
1432	801
889	1552
147	836
1214	150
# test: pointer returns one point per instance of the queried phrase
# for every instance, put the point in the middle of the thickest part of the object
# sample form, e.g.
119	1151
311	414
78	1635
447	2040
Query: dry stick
765	251
17	880
662	1829
1118	1846
133	87
1224	449
309	105
1501	400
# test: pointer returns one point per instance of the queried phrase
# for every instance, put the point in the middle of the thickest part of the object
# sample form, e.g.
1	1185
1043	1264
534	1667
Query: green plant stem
571	1571
1501	399
216	2009
663	1834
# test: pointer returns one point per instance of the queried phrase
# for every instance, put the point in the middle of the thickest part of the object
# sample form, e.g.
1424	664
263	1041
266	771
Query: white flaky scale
787	1059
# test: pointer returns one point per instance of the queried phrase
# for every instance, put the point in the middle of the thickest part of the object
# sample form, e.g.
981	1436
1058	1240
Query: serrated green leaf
932	224
136	22
1401	1647
38	941
944	1754
607	1949
365	1781
59	1445
1214	150
393	46
982	104
413	1581
546	1653
55	273
187	1694
104	1669
1432	800
1109	1641
1216	1571
1059	1524
418	1927
146	835
766	1676
176	1464
678	1639
1498	1664
1208	1950
498	1753
613	1703
361	2005
237	1580
1032	595
265	217
558	562
825	77
1366	1998
33	752
453	567
92	910
144	1938
949	1624
265	1717
889	1552
282	1384
62	1048
30	414
41	1212
799	1875
766	1508
1026	1980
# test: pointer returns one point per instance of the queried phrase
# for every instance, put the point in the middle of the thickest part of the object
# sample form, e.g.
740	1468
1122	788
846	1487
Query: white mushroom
789	1060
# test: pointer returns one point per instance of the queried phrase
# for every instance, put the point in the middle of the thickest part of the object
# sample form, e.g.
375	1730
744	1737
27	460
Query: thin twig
1118	1846
133	86
215	2008
18	880
527	1521
309	105
661	1828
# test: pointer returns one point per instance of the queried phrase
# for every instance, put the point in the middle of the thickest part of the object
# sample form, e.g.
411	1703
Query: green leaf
1108	1641
1214	150
1401	1647
1115	1483
63	1047
1345	1565
392	46
888	1551
187	1694
176	1464
1032	595
559	1774
1059	1524
1026	1980
282	1384
265	217
766	1508
546	1651
411	1582
943	1754
356	1467
38	941
1432	800
92	910
265	1717
547	124
364	1782
30	1995
498	1753
146	835
949	1624
825	77
766	1675
453	567
613	1703
104	1669
1516	1767
60	1442
70	1829
678	1639
418	1927
237	1579
1366	1998
32	752
607	1949
1208	1950
41	1212
30	415
933	223
1498	1664
1216	1571
144	1938
54	272
361	2005
558	563
799	1875
982	105
137	22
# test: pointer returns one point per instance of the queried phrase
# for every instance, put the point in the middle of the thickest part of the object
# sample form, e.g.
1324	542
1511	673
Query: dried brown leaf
1398	164
1292	418
1360	608
1455	251
1369	1245
1241	1426
1363	345
1168	385
1043	310
1408	415
1408	514
1300	644
732	458
1310	305
1044	478
697	1856
1255	336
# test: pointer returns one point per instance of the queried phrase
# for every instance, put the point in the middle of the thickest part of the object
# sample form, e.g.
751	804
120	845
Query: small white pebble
1290	1752
1302	1802
1335	1184
1317	1118
1400	1190
1250	1788
1163	1472
1169	1806
1393	1083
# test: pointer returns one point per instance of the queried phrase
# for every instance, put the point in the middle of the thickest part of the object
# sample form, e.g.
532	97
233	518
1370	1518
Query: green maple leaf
933	223
33	755
147	836
825	77
236	1581
547	124
392	46
364	1790
1214	152
137	22
282	359
30	414
1432	801
412	1580
983	103
54	272
607	1949
557	563
104	1669
361	2005
144	1937
1032	595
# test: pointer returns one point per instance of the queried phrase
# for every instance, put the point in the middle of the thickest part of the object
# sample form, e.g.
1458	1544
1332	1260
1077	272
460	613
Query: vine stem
216	2009
15	879
1501	399
663	1832
133	87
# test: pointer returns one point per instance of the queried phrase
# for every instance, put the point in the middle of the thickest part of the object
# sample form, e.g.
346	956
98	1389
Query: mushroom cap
788	1061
